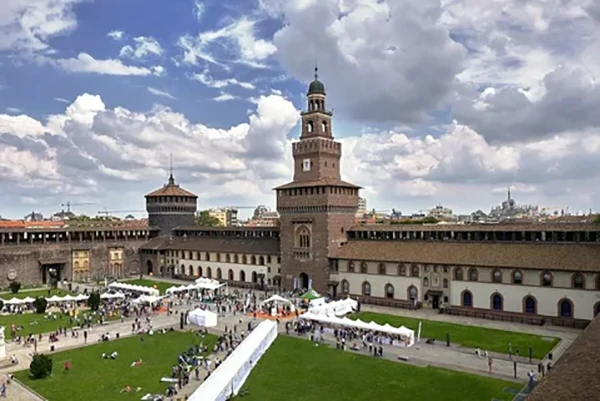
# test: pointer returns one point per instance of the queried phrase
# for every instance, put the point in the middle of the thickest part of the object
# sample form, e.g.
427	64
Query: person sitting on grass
136	363
127	389
67	366
14	360
114	355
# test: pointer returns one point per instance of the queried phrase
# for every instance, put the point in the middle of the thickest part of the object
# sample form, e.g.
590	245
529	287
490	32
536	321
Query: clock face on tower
306	165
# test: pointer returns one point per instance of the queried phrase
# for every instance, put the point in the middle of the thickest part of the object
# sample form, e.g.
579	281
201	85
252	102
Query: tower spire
171	179
508	193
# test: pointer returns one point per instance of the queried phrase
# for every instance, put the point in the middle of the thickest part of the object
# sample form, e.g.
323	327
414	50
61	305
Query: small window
345	287
425	282
578	280
497	276
366	288
517	277
414	271
473	274
401	270
458	274
445	283
363	267
381	268
546	279
351	266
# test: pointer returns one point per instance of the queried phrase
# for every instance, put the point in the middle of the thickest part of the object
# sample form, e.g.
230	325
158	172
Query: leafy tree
597	219
40	305
1	304
40	367
204	219
94	301
14	286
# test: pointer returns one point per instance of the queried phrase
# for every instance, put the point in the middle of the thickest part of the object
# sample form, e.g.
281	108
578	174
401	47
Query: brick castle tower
317	207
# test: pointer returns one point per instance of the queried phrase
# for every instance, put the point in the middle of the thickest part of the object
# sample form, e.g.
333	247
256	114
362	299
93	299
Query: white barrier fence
229	377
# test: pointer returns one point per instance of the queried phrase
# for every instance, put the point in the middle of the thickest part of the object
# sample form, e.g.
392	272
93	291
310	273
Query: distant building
33	216
362	207
440	213
259	211
228	217
263	217
511	210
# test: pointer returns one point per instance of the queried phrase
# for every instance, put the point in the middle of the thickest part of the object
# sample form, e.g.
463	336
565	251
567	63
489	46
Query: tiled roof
568	257
171	190
479	227
224	229
265	246
319	183
575	375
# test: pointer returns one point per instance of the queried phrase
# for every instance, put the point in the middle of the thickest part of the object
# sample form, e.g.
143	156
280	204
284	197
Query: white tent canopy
148	299
200	284
277	299
14	301
81	297
134	288
336	308
112	296
400	331
28	300
202	318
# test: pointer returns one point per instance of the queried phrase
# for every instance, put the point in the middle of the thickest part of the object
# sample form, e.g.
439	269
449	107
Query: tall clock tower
317	207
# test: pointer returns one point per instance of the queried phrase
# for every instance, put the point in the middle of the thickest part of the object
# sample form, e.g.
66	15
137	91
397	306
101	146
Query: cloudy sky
447	101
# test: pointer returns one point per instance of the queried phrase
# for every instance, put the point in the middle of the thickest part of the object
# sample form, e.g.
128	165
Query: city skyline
478	106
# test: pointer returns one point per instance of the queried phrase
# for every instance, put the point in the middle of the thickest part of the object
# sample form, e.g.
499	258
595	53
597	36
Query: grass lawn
92	378
469	336
33	294
295	370
34	323
160	285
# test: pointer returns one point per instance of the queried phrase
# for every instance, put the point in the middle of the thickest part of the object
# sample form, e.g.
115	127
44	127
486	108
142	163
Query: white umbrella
54	298
28	300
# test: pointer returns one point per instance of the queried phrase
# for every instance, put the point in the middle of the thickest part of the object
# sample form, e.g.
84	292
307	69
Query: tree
597	219
40	305
94	301
204	219
14	286
40	367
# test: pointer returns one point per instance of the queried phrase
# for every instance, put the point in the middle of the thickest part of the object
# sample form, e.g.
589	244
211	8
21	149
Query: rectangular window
306	165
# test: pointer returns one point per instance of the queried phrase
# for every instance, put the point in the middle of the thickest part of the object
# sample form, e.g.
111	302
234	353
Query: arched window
546	279
366	288
473	274
401	270
236	258
363	267
467	298
445	283
497	301
182	271
303	237
414	271
597	309
351	266
77	264
496	276
578	280
324	127
199	271
191	270
228	258
85	264
565	308
412	293
309	126
345	287
261	260
517	277
244	259
208	272
242	275
381	268
219	273
254	277
529	305
458	274
425	282
230	275
253	260
389	291
218	257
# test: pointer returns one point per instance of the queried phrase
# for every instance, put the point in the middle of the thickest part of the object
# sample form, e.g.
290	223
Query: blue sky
435	102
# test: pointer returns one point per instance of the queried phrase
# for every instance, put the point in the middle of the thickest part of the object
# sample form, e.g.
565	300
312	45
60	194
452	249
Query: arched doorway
149	267
242	275
303	281
254	277
230	275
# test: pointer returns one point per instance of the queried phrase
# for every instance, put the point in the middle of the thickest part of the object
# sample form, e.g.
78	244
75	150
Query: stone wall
22	263
166	222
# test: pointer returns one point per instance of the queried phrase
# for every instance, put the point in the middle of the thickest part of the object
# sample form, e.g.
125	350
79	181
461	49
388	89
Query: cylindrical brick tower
170	207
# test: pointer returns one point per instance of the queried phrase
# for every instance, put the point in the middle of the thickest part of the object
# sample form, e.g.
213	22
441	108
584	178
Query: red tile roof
575	375
171	190
567	257
319	183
